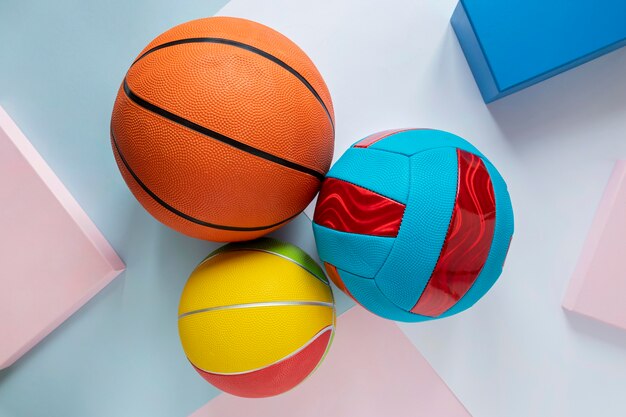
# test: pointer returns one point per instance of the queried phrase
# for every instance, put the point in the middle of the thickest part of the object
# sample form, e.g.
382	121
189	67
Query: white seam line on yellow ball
270	252
265	304
295	352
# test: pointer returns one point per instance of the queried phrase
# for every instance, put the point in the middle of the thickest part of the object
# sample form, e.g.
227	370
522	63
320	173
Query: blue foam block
511	45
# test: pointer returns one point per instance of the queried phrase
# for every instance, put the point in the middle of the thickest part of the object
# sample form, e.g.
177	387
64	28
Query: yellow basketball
256	318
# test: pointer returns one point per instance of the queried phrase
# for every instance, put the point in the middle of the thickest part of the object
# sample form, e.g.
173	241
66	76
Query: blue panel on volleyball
511	45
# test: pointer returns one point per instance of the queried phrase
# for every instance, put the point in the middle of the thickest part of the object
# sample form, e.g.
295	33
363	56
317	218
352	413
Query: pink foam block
371	370
598	285
53	258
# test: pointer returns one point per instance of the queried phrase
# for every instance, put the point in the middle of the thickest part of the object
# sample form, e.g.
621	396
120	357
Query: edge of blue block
482	71
474	54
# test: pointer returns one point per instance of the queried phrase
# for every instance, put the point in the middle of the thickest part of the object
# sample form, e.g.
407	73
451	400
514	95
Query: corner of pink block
34	185
60	191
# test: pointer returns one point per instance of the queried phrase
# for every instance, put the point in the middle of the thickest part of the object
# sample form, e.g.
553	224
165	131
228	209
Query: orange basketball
223	129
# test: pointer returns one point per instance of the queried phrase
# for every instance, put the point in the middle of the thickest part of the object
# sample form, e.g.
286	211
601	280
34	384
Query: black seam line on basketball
252	49
180	213
217	136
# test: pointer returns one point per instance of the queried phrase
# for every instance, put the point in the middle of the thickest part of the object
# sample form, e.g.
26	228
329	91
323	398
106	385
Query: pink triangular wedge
371	370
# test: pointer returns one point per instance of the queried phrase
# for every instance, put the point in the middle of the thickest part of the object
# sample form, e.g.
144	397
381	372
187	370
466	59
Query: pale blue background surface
60	67
515	353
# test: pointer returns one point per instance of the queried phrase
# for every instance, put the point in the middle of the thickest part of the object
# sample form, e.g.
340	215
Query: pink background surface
371	370
598	284
53	257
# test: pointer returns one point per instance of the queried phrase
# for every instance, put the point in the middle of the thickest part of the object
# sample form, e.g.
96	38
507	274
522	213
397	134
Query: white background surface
398	64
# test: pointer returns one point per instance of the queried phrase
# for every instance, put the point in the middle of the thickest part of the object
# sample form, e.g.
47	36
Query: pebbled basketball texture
223	129
256	318
413	224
